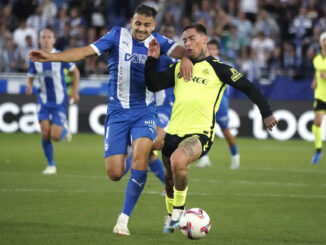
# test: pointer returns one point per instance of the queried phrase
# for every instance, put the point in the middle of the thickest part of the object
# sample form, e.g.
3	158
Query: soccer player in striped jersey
191	130
319	85
52	97
131	112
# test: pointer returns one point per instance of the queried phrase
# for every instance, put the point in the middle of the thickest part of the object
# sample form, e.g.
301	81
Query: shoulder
162	39
217	64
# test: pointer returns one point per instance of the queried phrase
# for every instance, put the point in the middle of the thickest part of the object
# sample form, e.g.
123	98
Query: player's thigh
141	149
116	138
159	140
188	151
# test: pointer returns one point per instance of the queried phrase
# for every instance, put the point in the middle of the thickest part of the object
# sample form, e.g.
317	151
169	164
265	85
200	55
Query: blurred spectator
169	32
221	20
63	41
49	11
175	8
23	54
264	46
9	60
266	24
233	46
97	16
4	35
19	35
75	20
307	69
250	7
289	63
7	18
244	27
203	13
250	67
61	21
37	20
301	30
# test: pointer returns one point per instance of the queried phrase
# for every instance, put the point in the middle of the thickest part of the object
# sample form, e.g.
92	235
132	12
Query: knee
45	136
55	137
113	175
177	166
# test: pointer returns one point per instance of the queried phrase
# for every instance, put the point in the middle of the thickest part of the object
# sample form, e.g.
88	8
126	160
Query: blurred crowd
262	38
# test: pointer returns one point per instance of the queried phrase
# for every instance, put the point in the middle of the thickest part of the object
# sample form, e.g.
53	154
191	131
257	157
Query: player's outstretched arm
70	55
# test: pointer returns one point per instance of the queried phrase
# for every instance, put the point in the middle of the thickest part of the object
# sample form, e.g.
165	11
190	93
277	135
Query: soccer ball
195	223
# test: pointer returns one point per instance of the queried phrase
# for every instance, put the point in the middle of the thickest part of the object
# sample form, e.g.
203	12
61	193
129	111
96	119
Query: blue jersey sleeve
167	45
31	69
106	42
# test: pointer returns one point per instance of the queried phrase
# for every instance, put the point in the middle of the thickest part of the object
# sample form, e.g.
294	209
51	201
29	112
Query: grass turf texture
276	197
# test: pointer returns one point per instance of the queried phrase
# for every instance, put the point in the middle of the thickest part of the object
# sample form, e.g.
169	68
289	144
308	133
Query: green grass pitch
276	197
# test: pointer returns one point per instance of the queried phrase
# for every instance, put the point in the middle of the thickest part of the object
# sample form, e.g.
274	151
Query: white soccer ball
195	223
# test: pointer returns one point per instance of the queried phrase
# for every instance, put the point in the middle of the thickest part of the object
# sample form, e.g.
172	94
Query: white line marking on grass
238	182
269	195
292	170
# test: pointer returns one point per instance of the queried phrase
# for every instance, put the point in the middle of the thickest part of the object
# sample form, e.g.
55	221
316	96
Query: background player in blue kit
222	119
131	111
52	97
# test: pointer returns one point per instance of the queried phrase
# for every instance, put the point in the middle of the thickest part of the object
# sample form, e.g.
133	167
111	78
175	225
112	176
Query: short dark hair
214	42
146	10
197	26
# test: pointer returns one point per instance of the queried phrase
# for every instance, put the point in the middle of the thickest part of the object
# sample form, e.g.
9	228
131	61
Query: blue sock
128	165
48	151
157	168
134	188
234	150
63	133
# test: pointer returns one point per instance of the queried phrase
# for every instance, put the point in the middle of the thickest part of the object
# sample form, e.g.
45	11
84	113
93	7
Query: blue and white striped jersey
52	89
126	61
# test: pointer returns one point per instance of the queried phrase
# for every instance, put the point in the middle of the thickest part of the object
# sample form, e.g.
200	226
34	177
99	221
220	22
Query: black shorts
172	141
319	105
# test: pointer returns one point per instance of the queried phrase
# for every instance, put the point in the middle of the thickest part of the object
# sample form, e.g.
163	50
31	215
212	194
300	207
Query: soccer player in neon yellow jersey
319	85
191	130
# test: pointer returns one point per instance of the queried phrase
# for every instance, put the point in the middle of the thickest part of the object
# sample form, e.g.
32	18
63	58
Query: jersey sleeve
156	81
231	76
166	44
31	69
106	42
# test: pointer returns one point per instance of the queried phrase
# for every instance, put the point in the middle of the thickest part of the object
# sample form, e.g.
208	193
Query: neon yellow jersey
196	101
320	66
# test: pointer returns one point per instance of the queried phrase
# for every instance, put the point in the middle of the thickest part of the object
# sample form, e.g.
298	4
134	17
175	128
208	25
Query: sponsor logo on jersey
136	58
196	79
235	75
206	71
